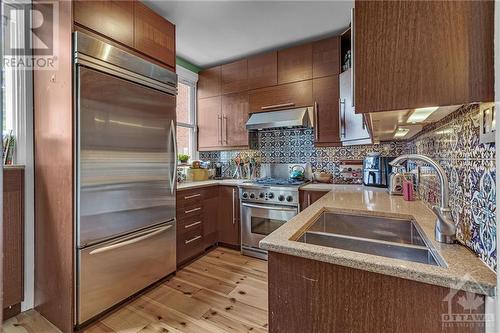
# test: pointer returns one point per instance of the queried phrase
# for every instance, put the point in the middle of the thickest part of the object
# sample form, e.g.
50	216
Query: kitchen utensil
322	176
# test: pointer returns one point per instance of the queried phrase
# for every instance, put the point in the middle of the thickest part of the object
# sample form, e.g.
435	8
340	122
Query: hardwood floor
220	292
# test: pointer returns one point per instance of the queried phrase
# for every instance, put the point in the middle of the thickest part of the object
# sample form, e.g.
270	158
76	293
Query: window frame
190	79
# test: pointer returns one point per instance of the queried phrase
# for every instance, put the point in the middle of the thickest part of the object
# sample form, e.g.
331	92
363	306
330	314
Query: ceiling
214	32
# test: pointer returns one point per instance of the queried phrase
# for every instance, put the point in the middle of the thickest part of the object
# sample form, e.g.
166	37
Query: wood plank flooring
221	292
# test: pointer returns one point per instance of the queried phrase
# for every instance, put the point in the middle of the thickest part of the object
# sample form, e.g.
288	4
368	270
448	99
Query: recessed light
401	132
420	114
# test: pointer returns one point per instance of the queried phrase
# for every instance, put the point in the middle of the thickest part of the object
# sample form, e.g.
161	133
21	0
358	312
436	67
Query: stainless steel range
266	204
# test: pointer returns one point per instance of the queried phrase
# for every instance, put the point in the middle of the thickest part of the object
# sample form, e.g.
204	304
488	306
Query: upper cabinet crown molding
295	64
234	77
411	54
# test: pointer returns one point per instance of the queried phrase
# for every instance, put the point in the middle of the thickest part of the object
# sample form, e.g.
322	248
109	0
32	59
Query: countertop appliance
266	204
125	152
376	170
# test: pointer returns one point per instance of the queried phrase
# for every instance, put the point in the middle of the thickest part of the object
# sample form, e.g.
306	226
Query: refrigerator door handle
131	241
174	171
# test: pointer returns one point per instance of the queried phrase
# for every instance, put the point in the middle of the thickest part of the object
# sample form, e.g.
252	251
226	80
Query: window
186	113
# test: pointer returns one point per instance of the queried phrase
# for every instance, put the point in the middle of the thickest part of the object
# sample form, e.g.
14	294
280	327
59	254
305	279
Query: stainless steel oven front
259	220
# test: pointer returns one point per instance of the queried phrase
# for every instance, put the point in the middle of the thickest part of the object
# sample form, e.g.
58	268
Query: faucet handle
446	228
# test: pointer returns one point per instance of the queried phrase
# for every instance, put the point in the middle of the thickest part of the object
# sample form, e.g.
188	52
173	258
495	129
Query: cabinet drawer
189	211
190	244
189	198
292	95
189	224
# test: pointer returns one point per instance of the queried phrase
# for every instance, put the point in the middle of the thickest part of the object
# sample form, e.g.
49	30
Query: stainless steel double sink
377	235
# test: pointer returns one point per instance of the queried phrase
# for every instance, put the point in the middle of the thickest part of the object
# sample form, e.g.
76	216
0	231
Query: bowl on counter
322	177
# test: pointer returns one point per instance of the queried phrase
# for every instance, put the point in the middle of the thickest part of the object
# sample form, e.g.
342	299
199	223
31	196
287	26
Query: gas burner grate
278	181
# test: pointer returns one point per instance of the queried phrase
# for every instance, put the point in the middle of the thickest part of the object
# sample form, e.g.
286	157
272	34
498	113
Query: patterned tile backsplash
453	142
470	166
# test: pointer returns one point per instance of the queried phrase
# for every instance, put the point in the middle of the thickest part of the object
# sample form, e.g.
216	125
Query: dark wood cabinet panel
229	216
307	198
209	123
210	215
234	118
324	298
234	77
411	54
326	113
295	64
13	238
295	94
113	19
209	82
263	70
326	57
154	35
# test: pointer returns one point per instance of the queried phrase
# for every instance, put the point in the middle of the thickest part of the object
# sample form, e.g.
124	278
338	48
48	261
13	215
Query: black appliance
218	170
376	170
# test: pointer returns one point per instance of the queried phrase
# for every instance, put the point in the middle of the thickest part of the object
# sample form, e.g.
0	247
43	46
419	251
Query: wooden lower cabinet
228	222
307	198
312	296
13	241
206	216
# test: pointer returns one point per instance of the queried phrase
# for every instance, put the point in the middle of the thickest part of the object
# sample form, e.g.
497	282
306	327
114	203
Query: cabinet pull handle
192	210
234	203
353	58
192	240
225	128
192	196
219	130
192	225
342	118
316	123
308	199
277	106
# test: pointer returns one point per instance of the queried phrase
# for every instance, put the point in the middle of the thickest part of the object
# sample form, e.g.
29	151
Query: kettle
297	172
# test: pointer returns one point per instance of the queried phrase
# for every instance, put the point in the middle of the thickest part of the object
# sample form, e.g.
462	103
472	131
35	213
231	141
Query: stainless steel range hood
299	117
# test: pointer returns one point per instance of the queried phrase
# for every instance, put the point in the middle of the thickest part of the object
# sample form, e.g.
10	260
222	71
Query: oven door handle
270	207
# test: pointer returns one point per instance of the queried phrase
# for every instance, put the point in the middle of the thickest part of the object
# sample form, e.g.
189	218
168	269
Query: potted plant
183	158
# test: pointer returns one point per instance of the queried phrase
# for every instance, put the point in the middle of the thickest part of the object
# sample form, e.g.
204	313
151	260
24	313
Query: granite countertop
465	270
211	182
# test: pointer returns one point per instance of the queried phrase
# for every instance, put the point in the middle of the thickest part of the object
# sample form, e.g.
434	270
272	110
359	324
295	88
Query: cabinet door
326	57
234	77
209	82
229	216
263	70
154	36
295	64
353	129
307	198
234	118
290	95
210	213
113	19
409	54
209	123
326	112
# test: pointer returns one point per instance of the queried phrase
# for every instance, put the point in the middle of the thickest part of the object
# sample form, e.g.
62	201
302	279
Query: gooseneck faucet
446	228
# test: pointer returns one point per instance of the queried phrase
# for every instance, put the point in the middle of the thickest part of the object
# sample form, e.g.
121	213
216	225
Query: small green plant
183	158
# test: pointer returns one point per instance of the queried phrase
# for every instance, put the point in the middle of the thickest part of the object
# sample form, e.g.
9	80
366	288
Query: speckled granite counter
206	183
465	271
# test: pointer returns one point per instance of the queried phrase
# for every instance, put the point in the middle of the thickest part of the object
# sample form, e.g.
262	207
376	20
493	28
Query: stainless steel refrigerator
125	153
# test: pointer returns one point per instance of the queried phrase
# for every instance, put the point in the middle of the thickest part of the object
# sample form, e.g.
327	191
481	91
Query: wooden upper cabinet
263	70
234	77
154	36
411	54
295	64
209	123
326	57
326	113
295	94
209	82
234	119
113	19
